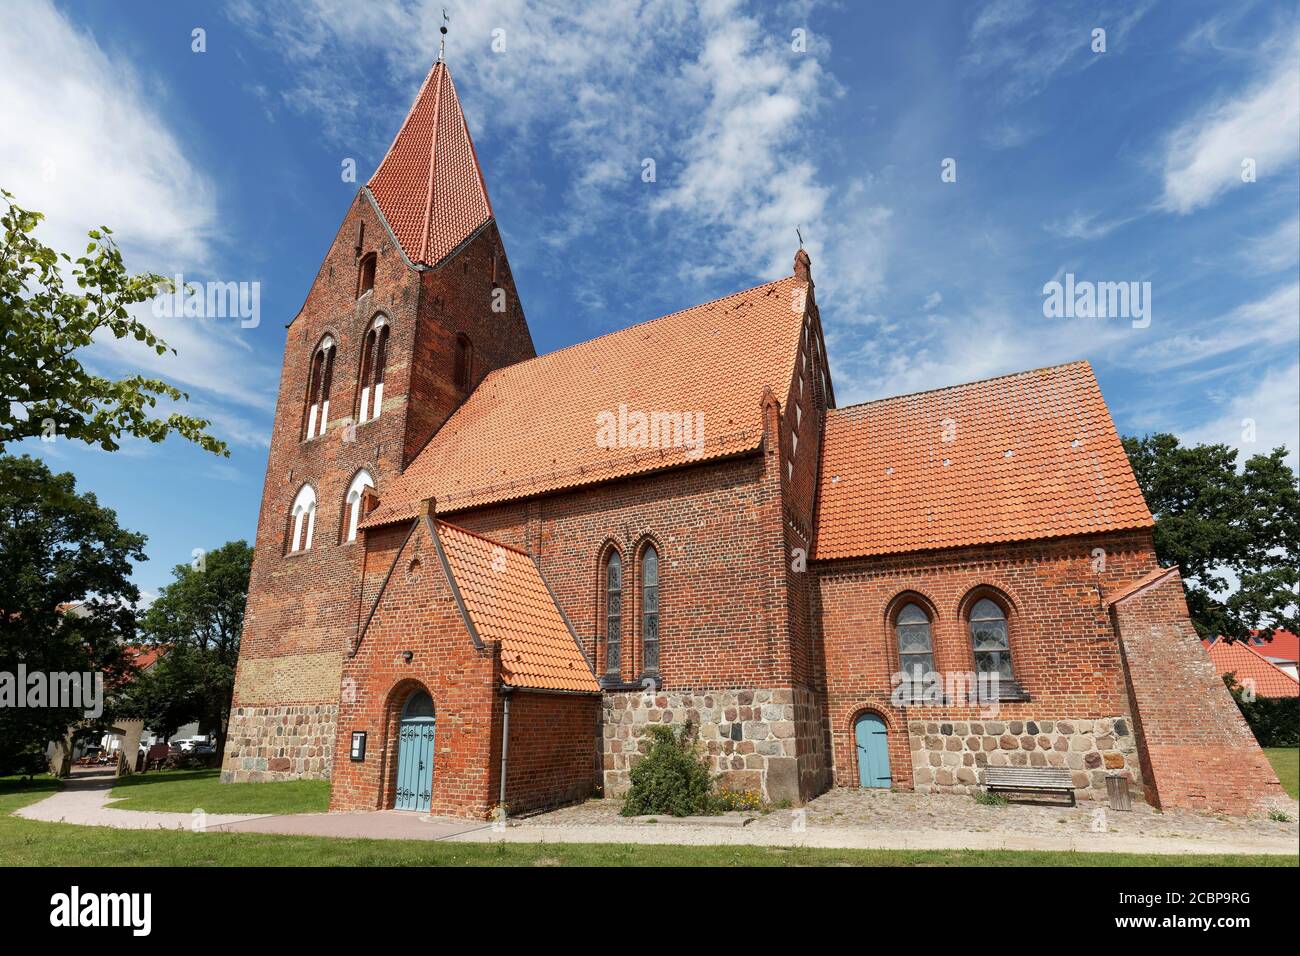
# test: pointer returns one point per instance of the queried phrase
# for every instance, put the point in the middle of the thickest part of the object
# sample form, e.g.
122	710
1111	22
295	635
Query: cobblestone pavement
906	811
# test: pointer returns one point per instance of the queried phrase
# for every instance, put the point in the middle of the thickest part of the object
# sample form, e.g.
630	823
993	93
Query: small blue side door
873	752
415	755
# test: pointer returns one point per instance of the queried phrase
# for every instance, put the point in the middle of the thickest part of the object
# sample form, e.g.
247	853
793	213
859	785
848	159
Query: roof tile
532	428
1023	456
429	186
509	602
1246	663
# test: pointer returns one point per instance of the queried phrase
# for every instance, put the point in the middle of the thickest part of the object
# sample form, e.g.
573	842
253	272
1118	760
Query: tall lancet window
373	352
613	614
318	389
650	609
302	519
352	504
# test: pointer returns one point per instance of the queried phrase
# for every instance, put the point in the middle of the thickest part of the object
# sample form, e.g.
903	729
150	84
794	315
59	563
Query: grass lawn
182	791
34	843
1286	764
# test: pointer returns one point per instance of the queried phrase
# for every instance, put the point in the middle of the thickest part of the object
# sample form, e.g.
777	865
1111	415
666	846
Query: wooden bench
1029	780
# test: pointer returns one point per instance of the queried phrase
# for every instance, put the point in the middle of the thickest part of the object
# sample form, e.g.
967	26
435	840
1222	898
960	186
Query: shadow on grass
167	777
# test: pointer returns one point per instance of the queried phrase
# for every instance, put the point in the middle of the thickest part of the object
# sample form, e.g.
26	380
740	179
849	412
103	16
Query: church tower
413	305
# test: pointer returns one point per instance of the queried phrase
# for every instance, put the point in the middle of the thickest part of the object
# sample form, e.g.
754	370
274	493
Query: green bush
672	778
991	799
1275	721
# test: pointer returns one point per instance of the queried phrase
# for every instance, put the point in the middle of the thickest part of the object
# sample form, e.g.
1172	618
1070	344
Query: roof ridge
419	95
946	388
629	328
1139	584
482	537
435	121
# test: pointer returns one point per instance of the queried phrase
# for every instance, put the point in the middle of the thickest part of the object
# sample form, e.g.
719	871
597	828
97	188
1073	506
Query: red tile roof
1283	647
532	428
508	601
1023	456
1244	661
144	657
429	186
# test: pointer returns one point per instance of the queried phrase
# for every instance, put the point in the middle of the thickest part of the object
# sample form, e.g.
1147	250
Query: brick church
481	574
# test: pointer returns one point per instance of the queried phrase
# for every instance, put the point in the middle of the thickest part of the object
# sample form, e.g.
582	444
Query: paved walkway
848	819
84	800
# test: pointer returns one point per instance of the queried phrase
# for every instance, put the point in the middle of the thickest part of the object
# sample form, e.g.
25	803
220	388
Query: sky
945	161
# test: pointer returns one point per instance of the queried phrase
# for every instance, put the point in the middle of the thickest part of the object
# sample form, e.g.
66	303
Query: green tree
44	388
1221	523
58	547
199	619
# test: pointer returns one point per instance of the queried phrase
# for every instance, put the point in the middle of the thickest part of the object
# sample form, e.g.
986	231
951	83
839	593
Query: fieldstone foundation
950	756
280	743
748	736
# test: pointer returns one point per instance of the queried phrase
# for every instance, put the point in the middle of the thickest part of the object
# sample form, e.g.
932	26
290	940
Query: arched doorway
873	751
415	754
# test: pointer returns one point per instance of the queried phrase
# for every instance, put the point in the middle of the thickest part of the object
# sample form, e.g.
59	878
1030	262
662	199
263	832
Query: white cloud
1275	251
989	339
1203	156
1260	327
932	301
705	88
85	142
1270	403
1081	225
1019	47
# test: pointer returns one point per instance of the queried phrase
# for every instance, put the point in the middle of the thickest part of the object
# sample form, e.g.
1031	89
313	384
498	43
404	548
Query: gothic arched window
650	609
613	613
318	389
374	349
352	503
464	362
915	650
990	640
366	278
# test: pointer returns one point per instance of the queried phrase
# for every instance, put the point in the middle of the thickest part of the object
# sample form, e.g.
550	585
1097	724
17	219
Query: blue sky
1116	166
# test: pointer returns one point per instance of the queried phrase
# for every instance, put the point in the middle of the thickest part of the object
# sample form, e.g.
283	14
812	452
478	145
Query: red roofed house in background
1283	649
481	574
1247	663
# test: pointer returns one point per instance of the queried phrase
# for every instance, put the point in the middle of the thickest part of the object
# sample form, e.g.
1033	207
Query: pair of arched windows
986	625
649	611
302	515
370	385
374	350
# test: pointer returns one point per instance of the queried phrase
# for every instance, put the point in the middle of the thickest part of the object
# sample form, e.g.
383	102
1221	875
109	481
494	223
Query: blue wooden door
415	754
873	752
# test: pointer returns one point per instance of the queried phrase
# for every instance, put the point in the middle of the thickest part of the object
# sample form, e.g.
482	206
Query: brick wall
551	757
1064	652
1196	747
302	607
718	561
416	612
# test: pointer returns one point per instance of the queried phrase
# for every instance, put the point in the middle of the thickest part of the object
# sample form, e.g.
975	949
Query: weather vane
800	235
442	43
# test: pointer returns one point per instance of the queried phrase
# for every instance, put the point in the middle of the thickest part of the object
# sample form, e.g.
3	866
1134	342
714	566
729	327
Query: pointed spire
429	186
